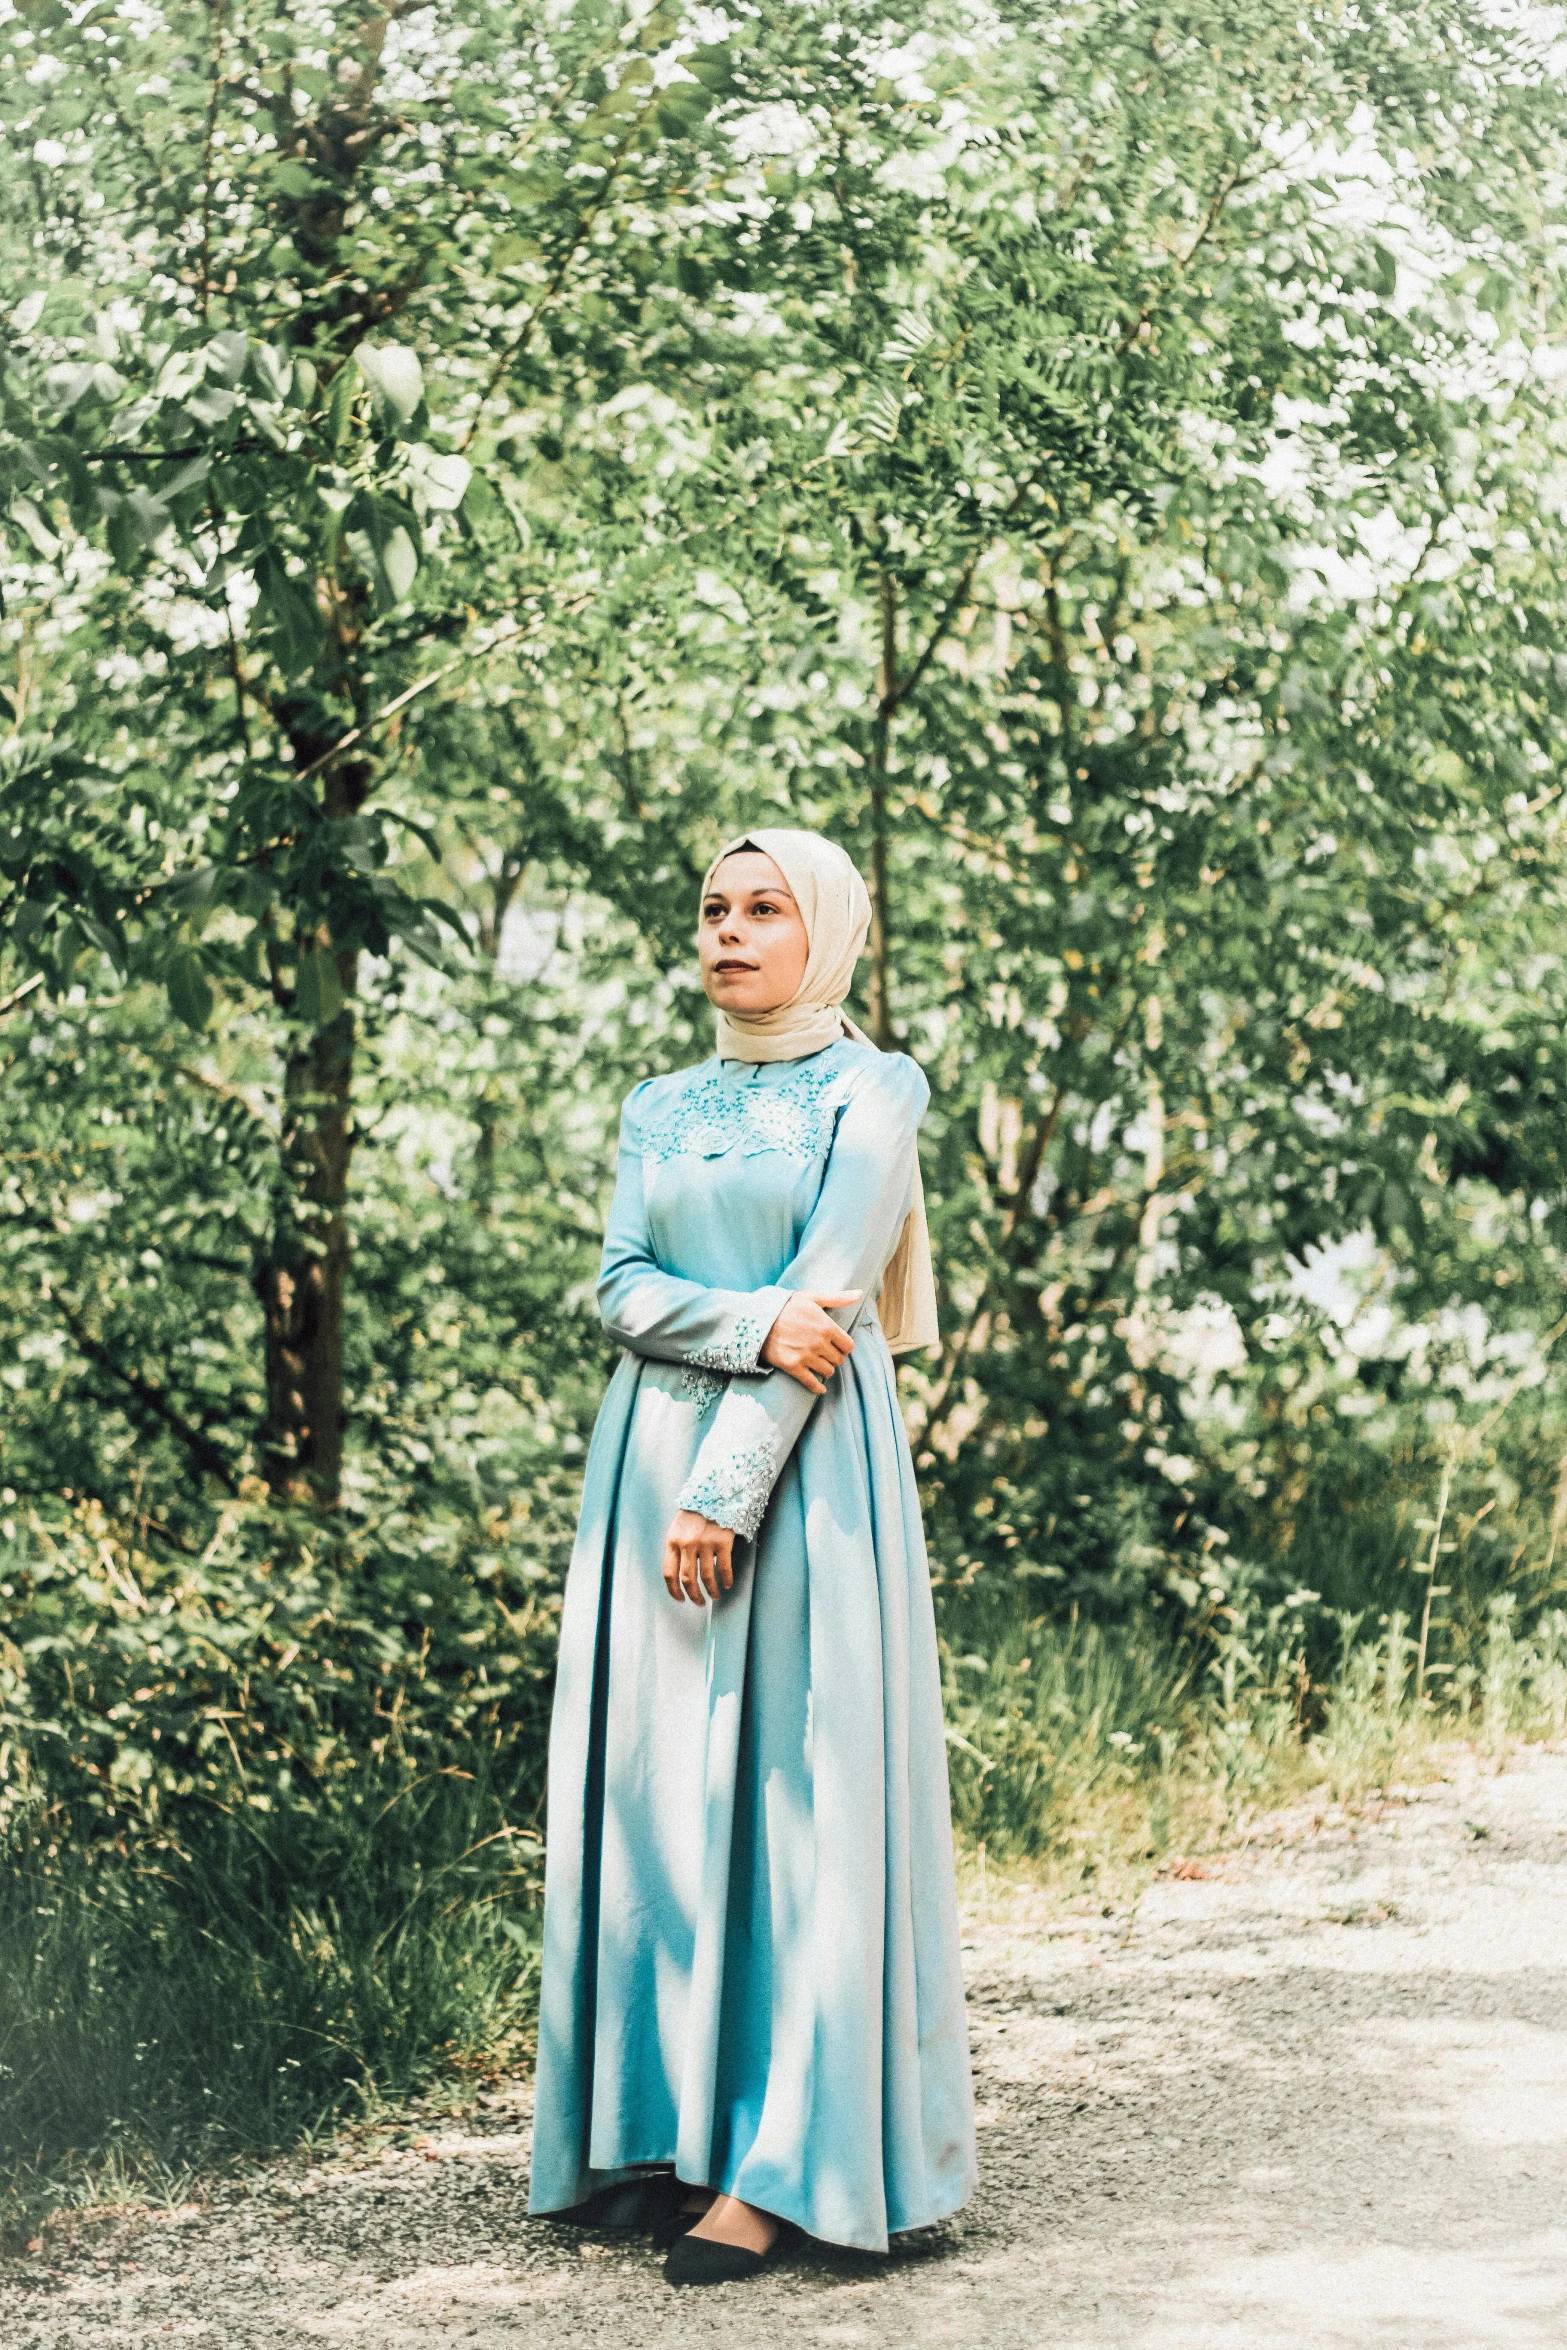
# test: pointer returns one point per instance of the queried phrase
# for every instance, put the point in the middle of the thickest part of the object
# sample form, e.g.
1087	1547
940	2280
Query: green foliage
218	2001
271	1817
1097	1755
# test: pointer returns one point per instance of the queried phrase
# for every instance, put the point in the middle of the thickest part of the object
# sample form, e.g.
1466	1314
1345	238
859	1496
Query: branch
180	456
1239	178
18	995
212	1085
1044	1134
956	602
203	1452
411	693
520	341
943	621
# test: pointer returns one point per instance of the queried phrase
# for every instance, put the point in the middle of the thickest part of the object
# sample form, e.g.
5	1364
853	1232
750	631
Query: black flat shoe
702	2260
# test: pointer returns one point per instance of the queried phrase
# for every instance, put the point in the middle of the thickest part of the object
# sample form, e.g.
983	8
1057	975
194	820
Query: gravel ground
1315	2094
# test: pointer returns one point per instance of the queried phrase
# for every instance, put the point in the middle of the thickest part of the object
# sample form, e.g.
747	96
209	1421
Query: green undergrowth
1083	1754
271	1854
165	2010
270	1813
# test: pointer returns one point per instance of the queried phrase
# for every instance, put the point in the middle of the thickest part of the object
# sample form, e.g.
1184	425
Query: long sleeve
658	1314
853	1229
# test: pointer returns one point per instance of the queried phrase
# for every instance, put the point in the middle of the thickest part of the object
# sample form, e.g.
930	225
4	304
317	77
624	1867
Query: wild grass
1085	1754
267	1845
163	2013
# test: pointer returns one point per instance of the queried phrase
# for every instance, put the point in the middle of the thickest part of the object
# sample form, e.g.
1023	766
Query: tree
210	385
518	454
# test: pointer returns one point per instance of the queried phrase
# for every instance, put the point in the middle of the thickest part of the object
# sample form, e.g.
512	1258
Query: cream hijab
836	910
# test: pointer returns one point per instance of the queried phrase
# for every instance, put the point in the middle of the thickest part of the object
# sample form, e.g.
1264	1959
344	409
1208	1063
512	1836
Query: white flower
905	67
924	173
47	70
667	67
776	129
49	153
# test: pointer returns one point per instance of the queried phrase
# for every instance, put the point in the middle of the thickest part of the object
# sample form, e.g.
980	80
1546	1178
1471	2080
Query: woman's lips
736	966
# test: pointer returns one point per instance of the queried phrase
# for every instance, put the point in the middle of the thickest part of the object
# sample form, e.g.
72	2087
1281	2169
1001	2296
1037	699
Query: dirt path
1317	2101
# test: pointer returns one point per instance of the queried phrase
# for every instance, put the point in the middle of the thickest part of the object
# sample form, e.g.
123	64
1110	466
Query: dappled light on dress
751	1954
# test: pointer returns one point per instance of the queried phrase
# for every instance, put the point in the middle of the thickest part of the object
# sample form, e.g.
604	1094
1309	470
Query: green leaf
190	993
272	370
478	499
226	354
184	477
37	529
318	988
399	562
214	403
442	476
148	516
291	606
395	377
195	892
104	935
67	383
388	558
295	180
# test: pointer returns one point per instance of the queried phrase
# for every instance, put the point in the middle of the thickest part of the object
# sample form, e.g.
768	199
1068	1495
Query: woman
751	1969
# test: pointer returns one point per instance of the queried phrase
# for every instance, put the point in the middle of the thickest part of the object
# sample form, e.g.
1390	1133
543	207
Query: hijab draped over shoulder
835	907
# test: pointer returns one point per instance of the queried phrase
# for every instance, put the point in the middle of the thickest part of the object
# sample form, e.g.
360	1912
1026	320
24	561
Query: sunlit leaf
394	376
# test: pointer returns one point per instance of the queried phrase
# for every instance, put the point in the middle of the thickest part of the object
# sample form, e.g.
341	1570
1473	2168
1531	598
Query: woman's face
752	940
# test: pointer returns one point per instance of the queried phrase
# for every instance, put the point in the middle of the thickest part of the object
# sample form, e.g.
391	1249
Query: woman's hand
698	1558
806	1342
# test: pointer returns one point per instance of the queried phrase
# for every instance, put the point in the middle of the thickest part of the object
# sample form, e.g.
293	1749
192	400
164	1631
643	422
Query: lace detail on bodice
712	1118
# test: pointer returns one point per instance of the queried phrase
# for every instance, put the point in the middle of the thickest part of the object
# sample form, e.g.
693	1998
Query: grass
1084	1755
167	2009
166	2013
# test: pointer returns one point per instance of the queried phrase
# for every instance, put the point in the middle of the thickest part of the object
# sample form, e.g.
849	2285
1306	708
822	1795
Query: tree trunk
305	1279
503	885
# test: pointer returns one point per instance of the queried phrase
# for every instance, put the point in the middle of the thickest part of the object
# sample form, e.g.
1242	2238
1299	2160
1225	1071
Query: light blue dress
751	1961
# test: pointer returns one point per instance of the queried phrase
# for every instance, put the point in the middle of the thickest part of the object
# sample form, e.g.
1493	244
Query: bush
270	1820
